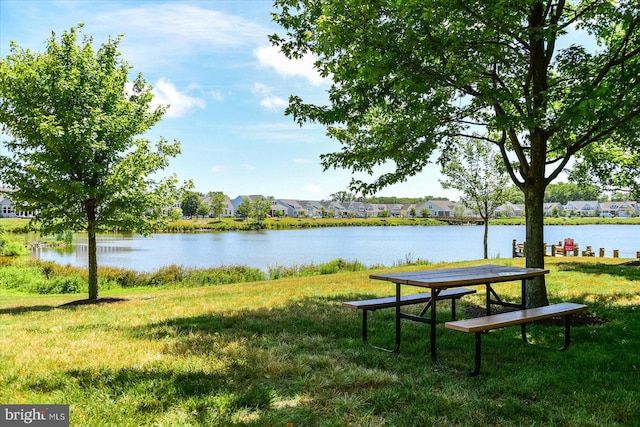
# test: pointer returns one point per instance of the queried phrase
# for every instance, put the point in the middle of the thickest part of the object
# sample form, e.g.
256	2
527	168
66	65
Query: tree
245	208
216	202
564	193
261	209
476	172
74	155
342	196
190	203
612	165
409	78
203	209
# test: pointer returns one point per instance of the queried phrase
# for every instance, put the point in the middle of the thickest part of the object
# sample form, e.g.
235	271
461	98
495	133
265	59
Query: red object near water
569	246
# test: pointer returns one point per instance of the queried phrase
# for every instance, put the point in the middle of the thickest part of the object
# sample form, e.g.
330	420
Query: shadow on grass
69	305
309	316
305	364
629	272
26	309
263	361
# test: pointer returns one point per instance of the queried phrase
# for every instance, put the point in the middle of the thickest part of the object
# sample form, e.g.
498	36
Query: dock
569	248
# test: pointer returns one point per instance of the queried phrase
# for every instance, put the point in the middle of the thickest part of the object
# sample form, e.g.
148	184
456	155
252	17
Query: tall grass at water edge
47	277
287	353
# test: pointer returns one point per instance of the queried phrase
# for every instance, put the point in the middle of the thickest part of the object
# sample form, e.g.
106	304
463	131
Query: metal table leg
432	337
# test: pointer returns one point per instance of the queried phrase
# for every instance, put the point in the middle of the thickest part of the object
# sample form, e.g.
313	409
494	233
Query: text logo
34	415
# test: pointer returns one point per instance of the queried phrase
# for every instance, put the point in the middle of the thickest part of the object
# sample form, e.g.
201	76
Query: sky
227	88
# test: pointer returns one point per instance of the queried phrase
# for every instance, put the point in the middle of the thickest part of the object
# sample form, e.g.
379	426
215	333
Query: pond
386	246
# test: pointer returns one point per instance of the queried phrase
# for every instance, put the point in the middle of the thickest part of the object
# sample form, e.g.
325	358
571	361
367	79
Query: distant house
291	208
437	207
395	210
228	210
356	209
619	209
410	210
552	209
335	209
227	206
8	208
278	208
238	200
583	208
312	208
509	210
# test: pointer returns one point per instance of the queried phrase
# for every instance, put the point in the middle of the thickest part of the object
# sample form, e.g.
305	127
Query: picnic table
440	280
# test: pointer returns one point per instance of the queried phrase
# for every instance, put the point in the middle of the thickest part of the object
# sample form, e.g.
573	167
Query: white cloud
218	168
268	101
179	102
274	103
178	30
312	188
261	89
248	167
301	160
271	57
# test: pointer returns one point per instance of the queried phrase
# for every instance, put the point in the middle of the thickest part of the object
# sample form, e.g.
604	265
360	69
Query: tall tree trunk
93	258
535	180
536	291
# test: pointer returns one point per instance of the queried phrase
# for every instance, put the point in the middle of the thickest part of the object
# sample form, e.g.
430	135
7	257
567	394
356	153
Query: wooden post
638	254
615	253
553	250
513	249
601	252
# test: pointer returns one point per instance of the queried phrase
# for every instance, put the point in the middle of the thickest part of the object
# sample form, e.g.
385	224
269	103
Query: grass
286	353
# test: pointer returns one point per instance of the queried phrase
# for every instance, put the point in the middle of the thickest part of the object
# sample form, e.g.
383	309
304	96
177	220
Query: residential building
552	209
437	207
620	209
583	208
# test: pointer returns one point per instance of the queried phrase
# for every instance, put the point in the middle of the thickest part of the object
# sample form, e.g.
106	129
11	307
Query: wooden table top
463	276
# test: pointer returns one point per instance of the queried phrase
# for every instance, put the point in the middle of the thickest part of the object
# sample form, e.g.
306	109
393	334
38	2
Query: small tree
216	202
74	157
476	171
190	203
261	209
203	210
245	208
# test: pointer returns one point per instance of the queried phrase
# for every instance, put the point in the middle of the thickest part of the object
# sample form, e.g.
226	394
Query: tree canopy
75	158
410	77
612	165
564	193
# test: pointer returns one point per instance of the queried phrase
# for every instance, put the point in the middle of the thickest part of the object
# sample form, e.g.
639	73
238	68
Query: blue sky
227	87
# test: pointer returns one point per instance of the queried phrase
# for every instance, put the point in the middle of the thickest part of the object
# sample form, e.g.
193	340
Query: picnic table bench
484	324
388	302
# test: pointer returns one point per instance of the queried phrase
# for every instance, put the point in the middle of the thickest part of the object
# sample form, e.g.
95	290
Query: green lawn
286	353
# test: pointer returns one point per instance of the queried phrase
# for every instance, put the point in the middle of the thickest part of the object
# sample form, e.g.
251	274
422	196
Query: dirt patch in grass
632	263
96	301
583	318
